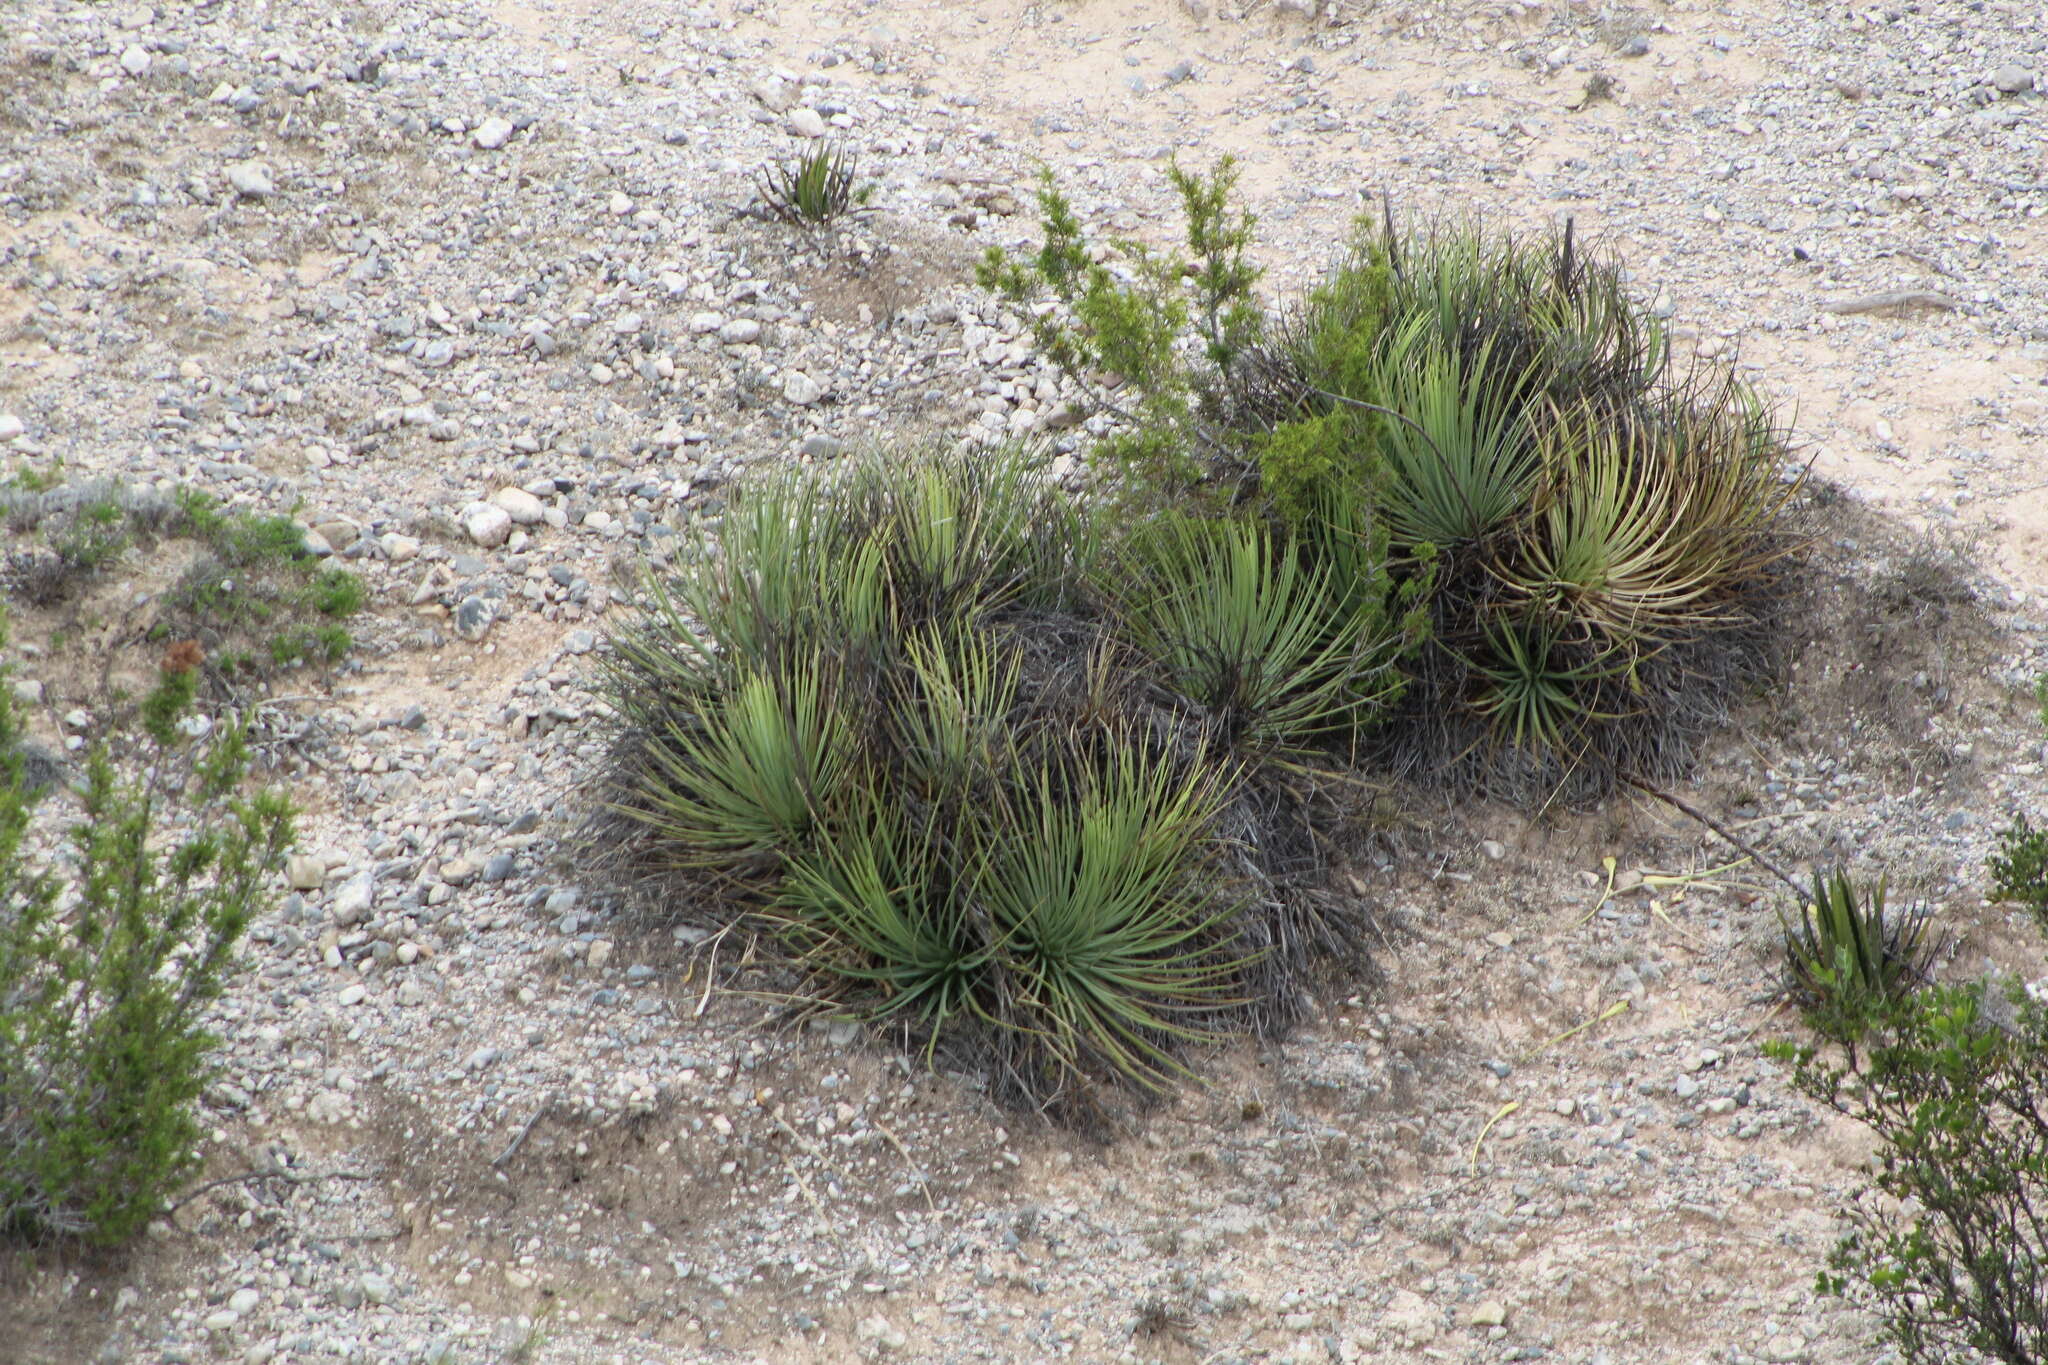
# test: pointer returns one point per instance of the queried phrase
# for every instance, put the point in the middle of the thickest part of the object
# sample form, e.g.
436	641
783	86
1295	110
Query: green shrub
2019	870
814	188
255	599
1030	788
1953	1252
1847	962
1590	533
107	959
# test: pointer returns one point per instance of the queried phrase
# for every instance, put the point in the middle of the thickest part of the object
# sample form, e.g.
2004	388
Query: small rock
135	59
806	122
352	995
376	1289
739	331
703	324
599	954
251	180
800	389
523	507
305	872
10	427
353	901
819	446
242	1300
492	133
499	868
487	524
1179	71
879	1331
2012	79
28	691
473	617
1490	1313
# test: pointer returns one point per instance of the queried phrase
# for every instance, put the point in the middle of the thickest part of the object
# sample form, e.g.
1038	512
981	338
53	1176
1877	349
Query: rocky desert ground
475	290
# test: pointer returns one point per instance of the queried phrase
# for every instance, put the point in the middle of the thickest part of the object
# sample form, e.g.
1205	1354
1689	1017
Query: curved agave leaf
1112	928
1264	642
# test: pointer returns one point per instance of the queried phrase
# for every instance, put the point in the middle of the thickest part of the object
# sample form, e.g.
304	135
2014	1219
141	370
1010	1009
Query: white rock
702	323
774	93
28	691
400	547
305	872
492	133
242	1300
352	902
10	426
806	122
352	995
135	59
800	389
740	331
523	507
251	180
487	525
620	204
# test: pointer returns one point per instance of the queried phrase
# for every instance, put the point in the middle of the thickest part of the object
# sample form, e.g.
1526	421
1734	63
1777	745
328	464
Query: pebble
523	507
739	331
492	133
251	180
11	426
800	389
2012	79
305	873
353	900
487	524
806	122
135	59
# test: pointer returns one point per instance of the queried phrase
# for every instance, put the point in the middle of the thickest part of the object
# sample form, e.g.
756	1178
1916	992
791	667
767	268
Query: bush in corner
107	958
1950	1247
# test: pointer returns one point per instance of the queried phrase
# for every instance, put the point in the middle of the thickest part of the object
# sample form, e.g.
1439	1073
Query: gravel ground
470	290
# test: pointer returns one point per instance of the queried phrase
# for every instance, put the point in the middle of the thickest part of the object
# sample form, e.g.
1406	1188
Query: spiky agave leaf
1461	464
877	907
750	773
814	188
1540	689
1846	958
1273	652
1114	930
951	707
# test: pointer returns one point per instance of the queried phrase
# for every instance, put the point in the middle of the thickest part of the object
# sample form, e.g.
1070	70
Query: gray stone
492	133
739	331
800	389
473	617
2012	79
252	180
523	507
135	59
353	901
1179	71
819	446
305	872
487	525
10	426
499	868
806	122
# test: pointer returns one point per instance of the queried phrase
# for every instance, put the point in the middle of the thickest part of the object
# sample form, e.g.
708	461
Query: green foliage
1590	534
2019	870
813	189
1118	330
107	959
1026	786
256	599
1846	962
1953	1253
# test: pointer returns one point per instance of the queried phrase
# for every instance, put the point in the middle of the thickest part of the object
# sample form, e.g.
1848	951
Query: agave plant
1846	960
1273	652
814	188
